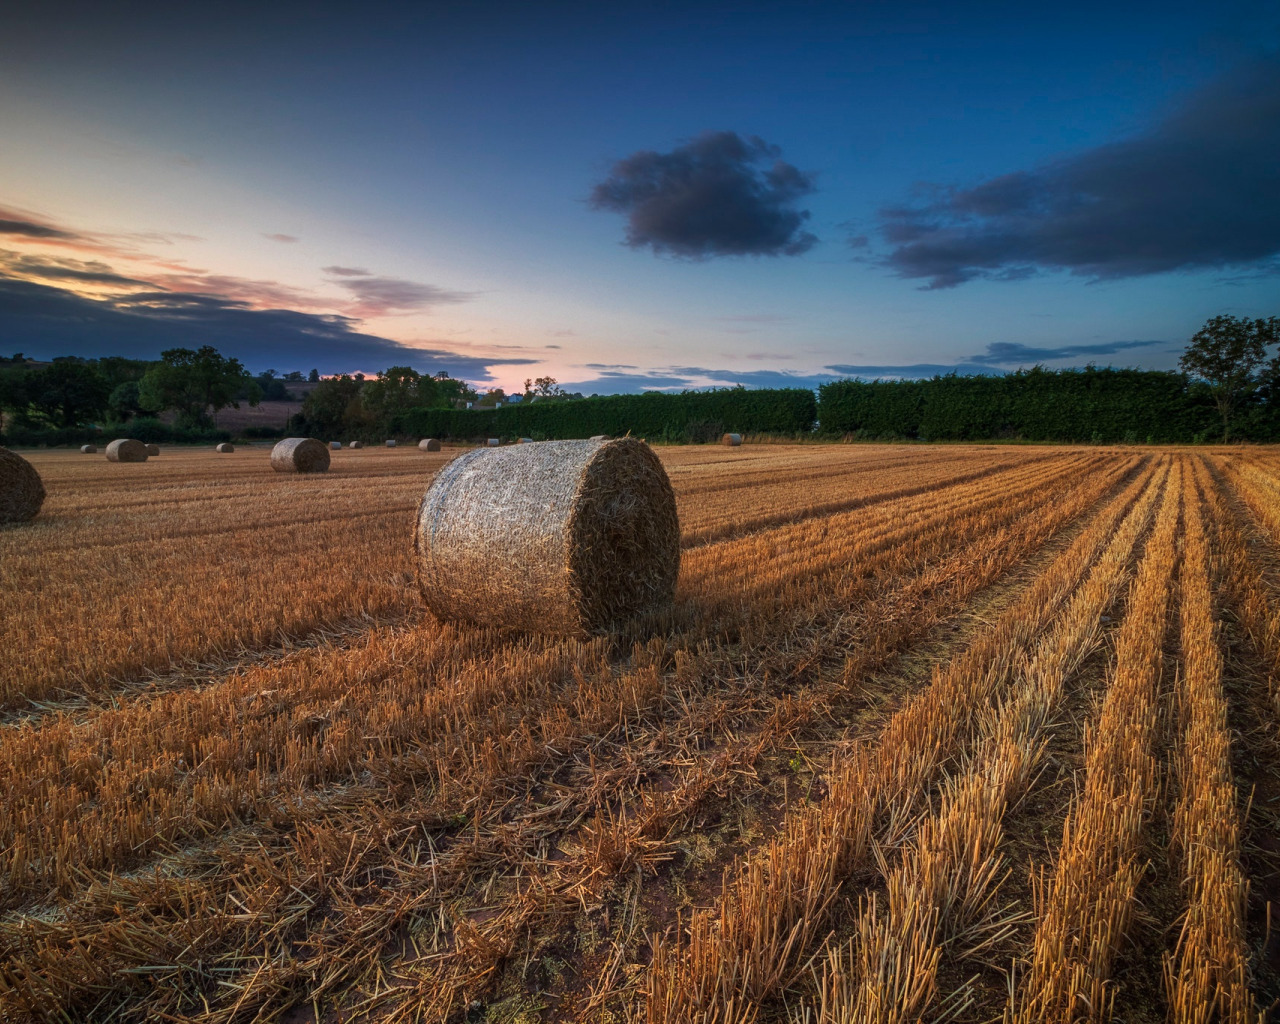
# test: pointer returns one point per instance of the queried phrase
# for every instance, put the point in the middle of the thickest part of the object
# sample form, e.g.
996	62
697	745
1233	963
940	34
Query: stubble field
930	733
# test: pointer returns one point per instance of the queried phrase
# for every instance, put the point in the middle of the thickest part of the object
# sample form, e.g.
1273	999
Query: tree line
1228	387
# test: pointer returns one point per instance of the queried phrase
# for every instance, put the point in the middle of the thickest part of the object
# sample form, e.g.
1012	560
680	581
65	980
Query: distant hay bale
300	455
732	440
89	449
225	448
429	444
562	537
356	444
153	449
525	440
335	446
599	437
126	450
21	490
391	443
494	442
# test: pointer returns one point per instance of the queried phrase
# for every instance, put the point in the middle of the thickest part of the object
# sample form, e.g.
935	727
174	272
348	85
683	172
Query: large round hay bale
153	449
300	455
429	444
494	442
562	537
126	450
21	490
225	448
356	444
732	440
391	443
89	449
335	446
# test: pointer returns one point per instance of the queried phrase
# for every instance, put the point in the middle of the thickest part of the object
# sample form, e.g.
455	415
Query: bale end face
126	450
592	526
225	448
21	489
731	440
429	444
153	449
300	455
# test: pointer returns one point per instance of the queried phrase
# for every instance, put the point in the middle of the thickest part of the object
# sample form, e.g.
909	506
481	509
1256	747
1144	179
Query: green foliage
65	393
1230	356
693	415
125	402
271	388
1089	405
195	384
332	409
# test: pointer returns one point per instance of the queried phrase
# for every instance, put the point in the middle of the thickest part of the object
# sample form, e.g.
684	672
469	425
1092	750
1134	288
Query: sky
633	196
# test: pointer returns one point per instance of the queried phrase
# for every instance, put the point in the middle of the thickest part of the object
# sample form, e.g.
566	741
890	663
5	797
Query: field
931	733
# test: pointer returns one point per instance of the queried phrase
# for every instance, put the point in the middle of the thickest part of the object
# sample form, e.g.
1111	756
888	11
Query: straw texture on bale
225	448
335	446
391	443
429	444
153	449
89	449
300	455
356	444
21	490
732	440
563	537
126	450
494	442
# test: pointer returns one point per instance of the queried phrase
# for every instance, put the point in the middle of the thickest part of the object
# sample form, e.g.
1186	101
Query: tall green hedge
691	416
1090	405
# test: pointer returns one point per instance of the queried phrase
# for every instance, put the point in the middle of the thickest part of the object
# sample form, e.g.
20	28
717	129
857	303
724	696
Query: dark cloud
30	229
287	239
1200	190
46	321
718	195
1008	353
612	379
346	271
377	296
912	371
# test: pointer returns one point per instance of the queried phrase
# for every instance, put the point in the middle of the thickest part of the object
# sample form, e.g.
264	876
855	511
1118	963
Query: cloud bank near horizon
43	321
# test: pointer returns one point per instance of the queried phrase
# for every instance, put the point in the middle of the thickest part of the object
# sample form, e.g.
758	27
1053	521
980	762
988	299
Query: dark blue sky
639	195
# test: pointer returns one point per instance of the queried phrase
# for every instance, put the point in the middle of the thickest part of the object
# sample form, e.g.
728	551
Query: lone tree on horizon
1230	355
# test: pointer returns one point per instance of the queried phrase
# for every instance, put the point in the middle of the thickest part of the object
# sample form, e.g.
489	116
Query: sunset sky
638	195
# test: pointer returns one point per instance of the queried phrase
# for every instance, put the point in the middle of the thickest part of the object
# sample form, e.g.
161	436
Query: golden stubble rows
303	790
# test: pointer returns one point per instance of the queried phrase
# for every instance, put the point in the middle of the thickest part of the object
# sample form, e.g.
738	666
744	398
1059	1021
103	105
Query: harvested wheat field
929	733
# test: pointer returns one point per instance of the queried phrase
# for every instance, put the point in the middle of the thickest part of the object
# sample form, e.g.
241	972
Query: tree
313	376
293	375
544	387
333	406
124	402
68	392
196	383
1229	354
